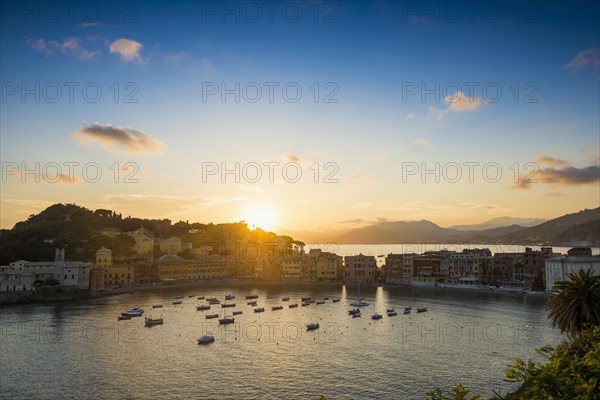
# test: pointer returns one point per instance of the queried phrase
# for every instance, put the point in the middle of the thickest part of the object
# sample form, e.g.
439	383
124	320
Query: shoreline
417	286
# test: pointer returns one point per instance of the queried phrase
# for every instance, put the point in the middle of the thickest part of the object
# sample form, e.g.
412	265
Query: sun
260	216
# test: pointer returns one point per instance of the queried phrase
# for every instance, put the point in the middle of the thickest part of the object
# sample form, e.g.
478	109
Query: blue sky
368	52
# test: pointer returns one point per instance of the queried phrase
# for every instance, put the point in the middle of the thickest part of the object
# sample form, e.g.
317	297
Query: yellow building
144	242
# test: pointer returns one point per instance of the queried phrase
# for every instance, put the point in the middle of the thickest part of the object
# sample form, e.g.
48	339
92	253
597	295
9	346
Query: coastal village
282	260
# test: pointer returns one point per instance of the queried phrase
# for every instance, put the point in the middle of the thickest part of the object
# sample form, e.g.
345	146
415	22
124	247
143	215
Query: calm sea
81	351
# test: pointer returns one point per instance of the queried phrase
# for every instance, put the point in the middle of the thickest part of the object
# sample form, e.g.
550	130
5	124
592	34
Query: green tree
576	302
572	371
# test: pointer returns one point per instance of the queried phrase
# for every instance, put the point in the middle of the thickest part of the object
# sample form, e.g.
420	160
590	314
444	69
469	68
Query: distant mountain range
581	226
499	223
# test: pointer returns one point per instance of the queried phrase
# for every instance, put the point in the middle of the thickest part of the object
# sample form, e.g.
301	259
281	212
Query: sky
301	116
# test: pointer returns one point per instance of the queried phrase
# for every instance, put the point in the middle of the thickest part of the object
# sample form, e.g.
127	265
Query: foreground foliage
572	371
576	302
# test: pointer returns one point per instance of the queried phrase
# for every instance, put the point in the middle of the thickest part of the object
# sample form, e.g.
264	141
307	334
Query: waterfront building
398	268
558	268
23	275
469	266
328	266
360	268
427	267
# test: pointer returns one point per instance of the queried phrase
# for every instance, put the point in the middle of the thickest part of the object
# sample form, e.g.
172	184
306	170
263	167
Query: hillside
78	229
580	226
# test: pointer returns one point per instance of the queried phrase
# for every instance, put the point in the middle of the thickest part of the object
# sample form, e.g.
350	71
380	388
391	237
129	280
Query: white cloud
585	58
128	50
423	142
70	46
113	138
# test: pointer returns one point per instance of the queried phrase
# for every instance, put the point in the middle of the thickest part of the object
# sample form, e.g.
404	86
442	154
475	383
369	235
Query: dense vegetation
78	229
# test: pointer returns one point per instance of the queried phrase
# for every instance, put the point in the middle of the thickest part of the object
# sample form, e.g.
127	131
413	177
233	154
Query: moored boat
421	309
225	305
206	339
252	296
252	303
177	302
133	312
237	312
376	316
259	309
294	305
157	305
202	307
311	327
229	297
354	311
211	316
275	308
392	313
335	300
153	321
226	320
123	318
285	298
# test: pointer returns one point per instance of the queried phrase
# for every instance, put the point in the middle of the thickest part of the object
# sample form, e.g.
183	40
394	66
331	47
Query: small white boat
285	298
133	312
359	301
211	316
206	339
213	301
311	327
357	315
376	316
406	312
294	305
275	308
153	321
390	309
354	311
408	308
392	313
229	297
421	309
157	305
260	309
203	307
